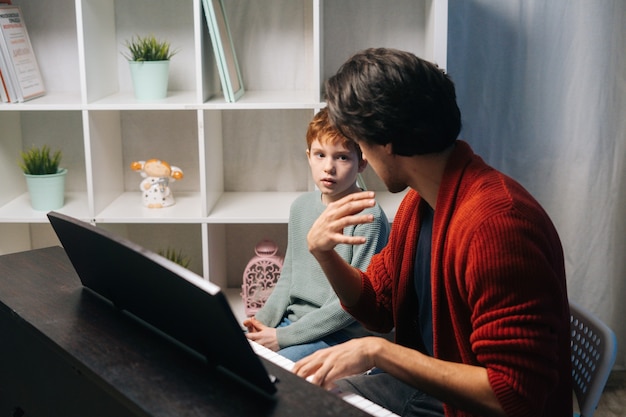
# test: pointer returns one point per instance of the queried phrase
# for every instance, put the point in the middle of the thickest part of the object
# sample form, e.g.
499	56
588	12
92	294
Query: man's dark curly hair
383	95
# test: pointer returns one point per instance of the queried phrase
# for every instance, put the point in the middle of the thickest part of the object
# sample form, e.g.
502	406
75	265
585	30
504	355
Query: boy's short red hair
322	130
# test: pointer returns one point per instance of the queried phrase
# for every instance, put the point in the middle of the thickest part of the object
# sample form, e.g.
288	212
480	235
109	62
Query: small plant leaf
39	161
148	48
175	256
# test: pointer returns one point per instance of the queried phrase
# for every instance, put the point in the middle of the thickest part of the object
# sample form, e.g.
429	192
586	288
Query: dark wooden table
66	352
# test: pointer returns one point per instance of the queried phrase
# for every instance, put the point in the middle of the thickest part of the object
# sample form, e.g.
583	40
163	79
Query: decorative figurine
157	175
260	276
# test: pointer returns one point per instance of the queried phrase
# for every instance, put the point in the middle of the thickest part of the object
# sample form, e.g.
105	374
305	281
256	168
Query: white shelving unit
243	162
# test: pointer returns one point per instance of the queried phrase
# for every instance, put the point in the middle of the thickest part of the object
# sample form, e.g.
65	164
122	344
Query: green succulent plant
176	256
148	48
40	161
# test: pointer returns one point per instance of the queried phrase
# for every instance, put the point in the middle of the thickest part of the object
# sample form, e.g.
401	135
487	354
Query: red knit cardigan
498	287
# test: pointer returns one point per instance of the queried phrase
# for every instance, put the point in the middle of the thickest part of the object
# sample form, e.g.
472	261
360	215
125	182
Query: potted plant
176	256
149	60
45	179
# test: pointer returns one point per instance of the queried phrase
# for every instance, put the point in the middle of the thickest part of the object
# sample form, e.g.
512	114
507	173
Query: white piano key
351	398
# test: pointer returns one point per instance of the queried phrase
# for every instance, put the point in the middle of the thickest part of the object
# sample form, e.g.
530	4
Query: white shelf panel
49	102
20	210
175	100
128	208
278	99
273	207
255	207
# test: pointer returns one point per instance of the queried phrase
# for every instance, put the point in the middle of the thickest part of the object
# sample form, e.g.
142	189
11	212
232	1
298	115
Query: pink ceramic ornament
260	276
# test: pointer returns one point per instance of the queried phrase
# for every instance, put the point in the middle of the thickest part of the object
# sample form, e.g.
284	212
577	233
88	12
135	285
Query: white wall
542	89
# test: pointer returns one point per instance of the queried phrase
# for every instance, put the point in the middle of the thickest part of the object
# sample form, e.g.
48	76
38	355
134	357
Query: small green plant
148	48
176	257
40	161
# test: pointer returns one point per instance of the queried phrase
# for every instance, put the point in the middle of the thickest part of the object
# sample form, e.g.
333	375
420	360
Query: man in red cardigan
472	279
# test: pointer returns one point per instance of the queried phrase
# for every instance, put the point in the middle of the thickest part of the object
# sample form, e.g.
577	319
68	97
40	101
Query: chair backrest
594	347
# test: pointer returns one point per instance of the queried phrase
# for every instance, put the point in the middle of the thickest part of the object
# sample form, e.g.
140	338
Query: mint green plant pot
47	192
150	79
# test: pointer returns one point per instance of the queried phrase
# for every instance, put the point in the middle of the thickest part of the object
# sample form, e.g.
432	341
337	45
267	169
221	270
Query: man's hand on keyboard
261	333
350	358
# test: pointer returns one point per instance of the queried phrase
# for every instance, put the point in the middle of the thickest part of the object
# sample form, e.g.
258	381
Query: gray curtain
542	90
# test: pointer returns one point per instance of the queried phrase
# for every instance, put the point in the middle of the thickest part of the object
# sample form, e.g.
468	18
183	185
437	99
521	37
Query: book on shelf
20	70
4	97
6	77
224	50
4	85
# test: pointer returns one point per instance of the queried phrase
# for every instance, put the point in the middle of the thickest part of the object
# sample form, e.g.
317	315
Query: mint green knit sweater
303	294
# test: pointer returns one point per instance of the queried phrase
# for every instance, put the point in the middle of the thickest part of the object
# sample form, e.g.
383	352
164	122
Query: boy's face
334	168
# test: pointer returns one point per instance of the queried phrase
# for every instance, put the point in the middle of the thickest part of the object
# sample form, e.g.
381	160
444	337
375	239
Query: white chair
594	347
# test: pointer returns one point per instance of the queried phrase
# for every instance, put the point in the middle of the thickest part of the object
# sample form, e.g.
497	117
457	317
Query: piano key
351	398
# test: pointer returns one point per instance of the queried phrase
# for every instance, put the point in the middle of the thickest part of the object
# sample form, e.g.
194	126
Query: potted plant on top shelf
149	60
45	179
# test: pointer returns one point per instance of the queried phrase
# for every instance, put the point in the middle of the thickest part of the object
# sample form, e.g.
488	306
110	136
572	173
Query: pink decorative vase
260	276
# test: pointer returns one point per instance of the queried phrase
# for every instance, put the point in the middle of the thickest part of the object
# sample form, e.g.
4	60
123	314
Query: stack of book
20	78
